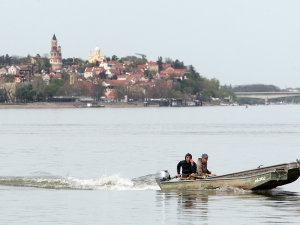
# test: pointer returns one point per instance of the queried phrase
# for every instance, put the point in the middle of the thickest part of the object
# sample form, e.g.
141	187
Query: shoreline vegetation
56	105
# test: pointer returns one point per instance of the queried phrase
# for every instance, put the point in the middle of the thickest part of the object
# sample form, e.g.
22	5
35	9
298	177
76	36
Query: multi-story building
89	72
14	70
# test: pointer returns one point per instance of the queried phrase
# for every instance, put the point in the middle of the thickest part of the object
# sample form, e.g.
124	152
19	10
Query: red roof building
119	65
110	95
57	75
113	62
175	71
89	69
142	66
151	63
98	70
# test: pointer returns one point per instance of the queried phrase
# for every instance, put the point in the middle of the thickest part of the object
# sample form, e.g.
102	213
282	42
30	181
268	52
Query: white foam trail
113	182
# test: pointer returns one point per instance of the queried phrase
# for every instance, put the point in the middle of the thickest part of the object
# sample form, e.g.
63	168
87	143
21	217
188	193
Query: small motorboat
262	178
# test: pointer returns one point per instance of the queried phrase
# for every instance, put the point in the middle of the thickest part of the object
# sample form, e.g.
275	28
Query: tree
46	55
173	76
135	92
83	88
160	90
6	90
57	81
2	59
178	65
146	73
255	88
9	78
65	76
114	58
51	90
102	75
140	61
38	85
119	92
160	63
47	63
97	90
7	59
25	93
81	68
15	59
114	77
168	60
176	94
107	59
129	58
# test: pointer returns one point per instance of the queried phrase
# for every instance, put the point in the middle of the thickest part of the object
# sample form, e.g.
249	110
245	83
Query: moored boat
264	178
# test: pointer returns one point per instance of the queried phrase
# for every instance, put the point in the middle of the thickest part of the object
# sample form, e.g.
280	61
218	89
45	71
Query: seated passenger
202	166
188	166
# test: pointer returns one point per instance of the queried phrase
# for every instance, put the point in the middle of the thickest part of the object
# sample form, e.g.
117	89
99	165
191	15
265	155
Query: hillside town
130	78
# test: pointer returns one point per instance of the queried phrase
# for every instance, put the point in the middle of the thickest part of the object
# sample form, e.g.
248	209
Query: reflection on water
274	206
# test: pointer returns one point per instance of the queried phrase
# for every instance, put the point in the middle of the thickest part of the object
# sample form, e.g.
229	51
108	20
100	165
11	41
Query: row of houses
14	70
21	73
133	79
119	69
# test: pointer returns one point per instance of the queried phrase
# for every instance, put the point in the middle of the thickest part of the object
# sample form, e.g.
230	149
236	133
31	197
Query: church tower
73	77
55	55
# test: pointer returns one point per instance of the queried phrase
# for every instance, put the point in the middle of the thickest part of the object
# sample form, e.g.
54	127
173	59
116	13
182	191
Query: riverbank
56	105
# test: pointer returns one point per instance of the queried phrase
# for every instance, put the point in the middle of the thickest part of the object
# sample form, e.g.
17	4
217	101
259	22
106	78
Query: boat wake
113	182
232	189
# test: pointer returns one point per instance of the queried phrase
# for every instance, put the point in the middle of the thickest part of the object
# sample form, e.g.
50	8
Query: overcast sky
237	42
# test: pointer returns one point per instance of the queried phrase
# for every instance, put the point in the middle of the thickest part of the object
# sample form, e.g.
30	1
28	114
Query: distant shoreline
61	105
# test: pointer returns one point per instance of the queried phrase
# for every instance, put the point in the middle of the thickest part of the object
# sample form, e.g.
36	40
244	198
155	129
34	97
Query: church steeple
55	55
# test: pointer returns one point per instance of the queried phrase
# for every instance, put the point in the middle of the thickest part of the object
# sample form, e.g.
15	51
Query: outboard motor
162	175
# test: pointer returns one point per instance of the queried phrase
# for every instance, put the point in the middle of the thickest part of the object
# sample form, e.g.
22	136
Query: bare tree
161	89
46	55
98	90
168	60
38	84
7	90
135	92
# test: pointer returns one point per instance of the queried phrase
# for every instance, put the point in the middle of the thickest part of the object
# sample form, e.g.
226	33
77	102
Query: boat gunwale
263	168
215	178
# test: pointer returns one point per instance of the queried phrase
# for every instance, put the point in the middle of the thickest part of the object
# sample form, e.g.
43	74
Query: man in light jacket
202	166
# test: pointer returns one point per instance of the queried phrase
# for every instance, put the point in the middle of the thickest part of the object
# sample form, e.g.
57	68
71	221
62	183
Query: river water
96	166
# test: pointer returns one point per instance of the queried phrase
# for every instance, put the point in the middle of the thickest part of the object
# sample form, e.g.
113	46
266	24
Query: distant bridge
266	95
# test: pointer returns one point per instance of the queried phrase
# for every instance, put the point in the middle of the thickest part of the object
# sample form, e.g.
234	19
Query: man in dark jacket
188	166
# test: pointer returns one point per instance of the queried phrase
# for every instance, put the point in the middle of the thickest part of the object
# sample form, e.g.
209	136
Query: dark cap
188	154
204	155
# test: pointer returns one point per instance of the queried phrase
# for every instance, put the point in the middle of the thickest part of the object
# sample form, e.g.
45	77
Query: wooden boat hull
259	179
